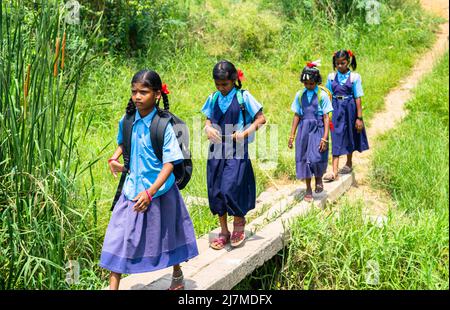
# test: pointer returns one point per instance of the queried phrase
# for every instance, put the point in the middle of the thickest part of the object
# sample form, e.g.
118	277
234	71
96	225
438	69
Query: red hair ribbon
241	76
164	89
350	53
312	64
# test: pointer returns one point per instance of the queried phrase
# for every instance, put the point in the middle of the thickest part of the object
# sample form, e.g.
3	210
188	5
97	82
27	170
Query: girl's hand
142	201
238	136
359	125
323	146
115	166
290	143
213	134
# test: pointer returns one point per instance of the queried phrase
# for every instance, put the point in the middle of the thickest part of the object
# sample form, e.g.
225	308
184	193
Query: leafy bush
133	26
252	31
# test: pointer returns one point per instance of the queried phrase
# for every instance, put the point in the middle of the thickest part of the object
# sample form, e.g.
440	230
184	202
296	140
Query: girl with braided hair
311	106
349	132
150	227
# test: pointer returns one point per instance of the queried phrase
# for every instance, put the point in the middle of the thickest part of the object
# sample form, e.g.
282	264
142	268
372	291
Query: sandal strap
237	234
222	239
179	278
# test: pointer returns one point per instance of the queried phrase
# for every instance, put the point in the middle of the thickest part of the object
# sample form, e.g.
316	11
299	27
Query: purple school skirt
137	242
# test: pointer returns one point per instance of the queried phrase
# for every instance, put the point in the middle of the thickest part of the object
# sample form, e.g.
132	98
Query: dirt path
439	7
378	202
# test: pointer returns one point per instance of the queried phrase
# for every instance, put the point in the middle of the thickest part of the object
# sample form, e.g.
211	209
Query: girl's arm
118	152
295	122
324	141
143	199
113	163
359	123
259	121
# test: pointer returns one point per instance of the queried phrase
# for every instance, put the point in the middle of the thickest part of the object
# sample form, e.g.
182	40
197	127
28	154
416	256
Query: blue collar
229	96
316	90
344	75
147	119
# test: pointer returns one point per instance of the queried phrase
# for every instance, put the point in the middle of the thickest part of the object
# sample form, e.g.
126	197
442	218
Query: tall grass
44	222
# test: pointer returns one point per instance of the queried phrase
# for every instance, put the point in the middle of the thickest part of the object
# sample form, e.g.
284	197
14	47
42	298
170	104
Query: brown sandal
345	170
308	197
330	177
220	242
238	236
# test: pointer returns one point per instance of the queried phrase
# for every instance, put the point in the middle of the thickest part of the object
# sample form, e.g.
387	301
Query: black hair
311	74
225	70
152	80
346	54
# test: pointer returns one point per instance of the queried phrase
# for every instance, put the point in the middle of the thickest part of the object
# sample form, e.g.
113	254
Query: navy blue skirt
231	186
345	138
309	160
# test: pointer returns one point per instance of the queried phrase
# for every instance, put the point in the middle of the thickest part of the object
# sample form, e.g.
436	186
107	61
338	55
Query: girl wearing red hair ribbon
349	134
233	115
150	227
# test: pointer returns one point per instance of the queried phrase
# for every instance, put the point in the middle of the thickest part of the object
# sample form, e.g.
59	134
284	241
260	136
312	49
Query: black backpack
183	170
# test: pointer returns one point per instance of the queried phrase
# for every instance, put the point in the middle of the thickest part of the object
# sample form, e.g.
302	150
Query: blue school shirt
144	165
324	106
342	78
252	107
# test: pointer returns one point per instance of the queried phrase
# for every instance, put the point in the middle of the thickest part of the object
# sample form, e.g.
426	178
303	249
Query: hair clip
313	64
164	89
241	76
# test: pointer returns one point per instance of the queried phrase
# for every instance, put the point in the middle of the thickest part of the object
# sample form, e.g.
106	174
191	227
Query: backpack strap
240	99
323	89
215	97
353	76
157	130
127	126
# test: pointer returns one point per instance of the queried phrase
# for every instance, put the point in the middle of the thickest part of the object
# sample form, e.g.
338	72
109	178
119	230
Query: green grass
413	161
331	250
337	251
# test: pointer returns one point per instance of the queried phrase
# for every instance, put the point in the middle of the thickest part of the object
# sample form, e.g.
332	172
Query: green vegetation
47	217
57	160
